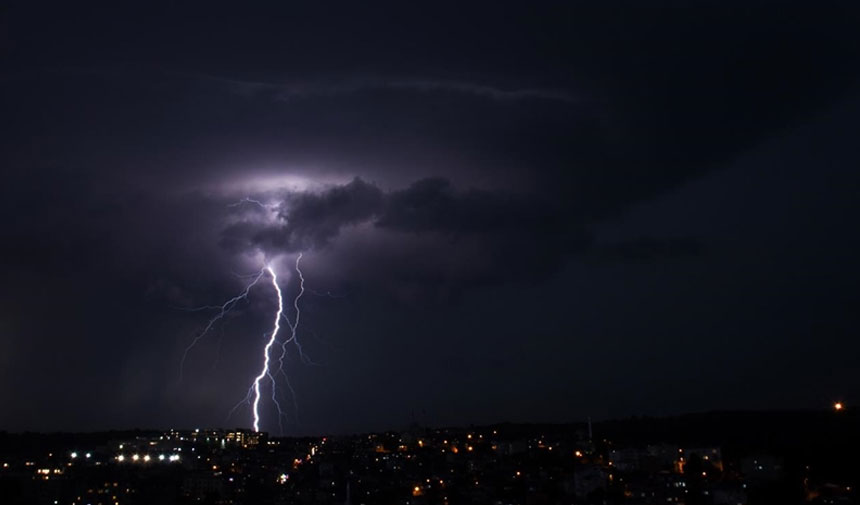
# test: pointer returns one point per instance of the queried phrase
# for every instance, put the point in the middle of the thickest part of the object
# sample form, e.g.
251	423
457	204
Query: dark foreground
716	458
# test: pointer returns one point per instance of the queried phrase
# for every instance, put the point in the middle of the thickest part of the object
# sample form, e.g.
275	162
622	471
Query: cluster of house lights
146	458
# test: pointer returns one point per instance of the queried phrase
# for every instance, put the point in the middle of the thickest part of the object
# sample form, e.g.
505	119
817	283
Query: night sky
506	212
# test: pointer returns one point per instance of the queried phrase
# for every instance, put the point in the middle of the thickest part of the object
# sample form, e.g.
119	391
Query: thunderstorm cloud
501	225
498	202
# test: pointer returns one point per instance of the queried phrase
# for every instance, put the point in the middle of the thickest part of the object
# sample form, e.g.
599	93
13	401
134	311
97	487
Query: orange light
838	406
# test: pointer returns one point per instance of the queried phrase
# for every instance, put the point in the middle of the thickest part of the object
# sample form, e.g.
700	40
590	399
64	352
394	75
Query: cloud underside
431	233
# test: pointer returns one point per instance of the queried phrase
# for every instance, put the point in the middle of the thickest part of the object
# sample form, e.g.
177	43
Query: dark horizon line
631	418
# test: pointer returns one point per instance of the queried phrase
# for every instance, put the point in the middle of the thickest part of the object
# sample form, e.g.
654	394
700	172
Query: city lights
391	457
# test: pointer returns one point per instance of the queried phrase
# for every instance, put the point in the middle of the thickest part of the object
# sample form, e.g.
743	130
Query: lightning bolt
254	396
295	324
293	338
250	200
255	391
272	339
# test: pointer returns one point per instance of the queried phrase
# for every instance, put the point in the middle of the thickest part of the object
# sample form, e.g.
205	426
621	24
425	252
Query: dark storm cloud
434	205
500	225
642	96
649	249
289	92
308	220
488	146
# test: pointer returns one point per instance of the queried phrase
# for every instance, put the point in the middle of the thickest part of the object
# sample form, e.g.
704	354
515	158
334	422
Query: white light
88	455
120	458
161	457
146	458
255	406
74	455
135	457
278	182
